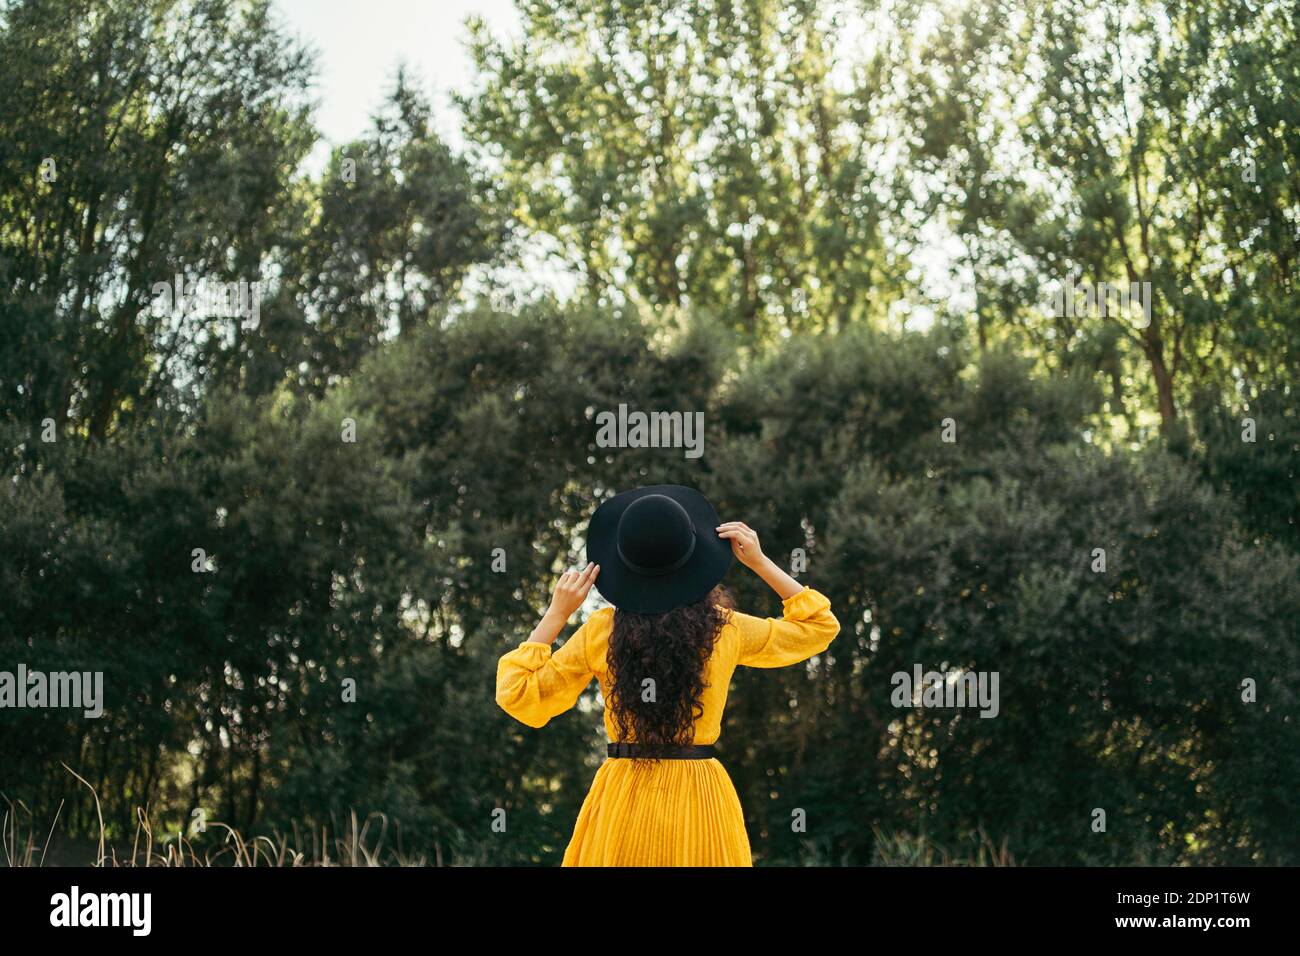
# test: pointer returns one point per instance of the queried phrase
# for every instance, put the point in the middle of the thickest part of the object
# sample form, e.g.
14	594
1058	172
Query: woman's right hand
744	542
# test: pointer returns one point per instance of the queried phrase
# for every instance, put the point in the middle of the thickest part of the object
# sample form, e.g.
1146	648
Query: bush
373	560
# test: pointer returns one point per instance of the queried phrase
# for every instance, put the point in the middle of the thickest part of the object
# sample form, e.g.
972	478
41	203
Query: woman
664	656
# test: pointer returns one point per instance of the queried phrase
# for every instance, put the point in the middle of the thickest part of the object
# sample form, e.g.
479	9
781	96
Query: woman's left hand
572	590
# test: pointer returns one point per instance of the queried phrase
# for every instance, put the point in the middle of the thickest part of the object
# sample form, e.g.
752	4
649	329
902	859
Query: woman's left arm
534	685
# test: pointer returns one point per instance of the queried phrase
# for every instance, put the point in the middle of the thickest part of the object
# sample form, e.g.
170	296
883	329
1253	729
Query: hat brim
630	591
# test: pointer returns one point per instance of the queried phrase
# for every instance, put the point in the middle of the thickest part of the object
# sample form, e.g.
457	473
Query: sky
359	46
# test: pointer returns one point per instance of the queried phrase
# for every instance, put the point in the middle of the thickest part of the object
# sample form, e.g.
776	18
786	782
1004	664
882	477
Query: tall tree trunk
1154	347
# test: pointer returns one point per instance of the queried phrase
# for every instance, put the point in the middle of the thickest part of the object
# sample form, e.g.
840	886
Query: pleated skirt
660	813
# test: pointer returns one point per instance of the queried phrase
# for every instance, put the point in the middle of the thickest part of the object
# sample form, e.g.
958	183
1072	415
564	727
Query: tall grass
365	842
902	849
362	842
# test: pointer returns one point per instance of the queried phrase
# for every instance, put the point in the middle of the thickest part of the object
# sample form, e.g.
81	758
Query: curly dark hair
671	649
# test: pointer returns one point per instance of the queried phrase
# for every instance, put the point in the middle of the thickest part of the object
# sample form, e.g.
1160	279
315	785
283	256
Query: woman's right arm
806	626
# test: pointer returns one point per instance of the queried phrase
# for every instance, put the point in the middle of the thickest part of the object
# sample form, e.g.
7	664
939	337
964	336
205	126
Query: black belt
684	752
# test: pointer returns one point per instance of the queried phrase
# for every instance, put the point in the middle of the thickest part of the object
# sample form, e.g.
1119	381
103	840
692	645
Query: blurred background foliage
750	196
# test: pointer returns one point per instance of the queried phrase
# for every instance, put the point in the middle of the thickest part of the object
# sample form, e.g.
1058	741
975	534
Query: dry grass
901	849
363	843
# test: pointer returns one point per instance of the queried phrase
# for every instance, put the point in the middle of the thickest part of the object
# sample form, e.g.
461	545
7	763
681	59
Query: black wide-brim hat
657	547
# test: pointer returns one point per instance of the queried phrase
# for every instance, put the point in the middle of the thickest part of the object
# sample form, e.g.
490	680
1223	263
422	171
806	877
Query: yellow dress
660	812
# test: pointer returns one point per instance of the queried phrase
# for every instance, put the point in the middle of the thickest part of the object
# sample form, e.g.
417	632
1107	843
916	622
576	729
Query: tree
694	154
141	141
1135	142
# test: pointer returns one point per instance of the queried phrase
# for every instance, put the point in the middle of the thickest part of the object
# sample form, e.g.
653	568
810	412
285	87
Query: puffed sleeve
535	684
806	627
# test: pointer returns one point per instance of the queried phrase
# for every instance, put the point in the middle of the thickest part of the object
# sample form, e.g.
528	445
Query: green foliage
373	561
173	128
695	153
1126	141
174	131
